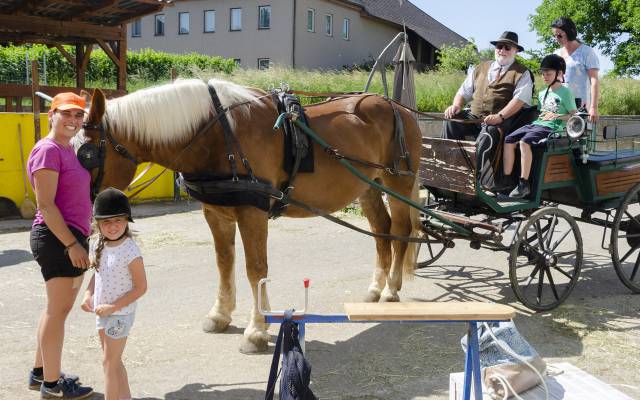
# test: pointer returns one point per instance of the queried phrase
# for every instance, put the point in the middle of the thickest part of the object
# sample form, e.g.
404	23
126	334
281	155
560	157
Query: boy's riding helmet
553	62
111	203
567	26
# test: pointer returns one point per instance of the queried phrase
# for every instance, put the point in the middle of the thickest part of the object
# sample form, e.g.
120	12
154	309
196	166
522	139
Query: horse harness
247	189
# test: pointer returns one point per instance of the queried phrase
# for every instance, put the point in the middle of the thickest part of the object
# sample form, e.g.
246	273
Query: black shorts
48	251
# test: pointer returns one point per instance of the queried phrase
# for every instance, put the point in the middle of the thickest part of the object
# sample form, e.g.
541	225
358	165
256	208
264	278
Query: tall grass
434	90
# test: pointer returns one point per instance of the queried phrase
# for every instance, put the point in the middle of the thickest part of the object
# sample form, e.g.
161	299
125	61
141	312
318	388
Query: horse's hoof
254	345
391	298
216	325
372	297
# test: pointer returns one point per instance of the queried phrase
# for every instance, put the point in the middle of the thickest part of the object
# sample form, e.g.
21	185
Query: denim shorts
116	326
48	251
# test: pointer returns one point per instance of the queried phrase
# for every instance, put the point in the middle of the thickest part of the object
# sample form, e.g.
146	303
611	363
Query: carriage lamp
576	126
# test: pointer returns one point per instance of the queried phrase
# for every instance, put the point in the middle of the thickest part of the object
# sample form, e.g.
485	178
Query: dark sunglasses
501	46
558	36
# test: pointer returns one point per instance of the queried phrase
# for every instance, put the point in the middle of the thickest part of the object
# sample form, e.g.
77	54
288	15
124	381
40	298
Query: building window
237	61
209	21
264	15
328	24
183	23
236	19
159	29
311	20
346	24
263	63
136	28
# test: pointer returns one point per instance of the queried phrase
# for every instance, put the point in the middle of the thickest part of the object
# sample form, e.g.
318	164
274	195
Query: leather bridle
104	136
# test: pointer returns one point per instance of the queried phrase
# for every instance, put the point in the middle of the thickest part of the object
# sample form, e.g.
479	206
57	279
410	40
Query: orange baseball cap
68	101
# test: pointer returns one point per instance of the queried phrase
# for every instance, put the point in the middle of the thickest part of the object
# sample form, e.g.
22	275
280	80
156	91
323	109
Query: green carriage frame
603	184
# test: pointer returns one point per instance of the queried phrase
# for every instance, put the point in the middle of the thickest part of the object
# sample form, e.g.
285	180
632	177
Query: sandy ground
169	357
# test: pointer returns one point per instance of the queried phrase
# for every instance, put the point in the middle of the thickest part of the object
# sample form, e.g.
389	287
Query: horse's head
101	153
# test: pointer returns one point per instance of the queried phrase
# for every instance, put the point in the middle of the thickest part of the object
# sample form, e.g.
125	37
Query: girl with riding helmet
59	240
115	287
582	65
555	103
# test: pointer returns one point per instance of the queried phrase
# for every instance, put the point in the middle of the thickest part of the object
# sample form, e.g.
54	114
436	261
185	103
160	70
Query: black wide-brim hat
510	38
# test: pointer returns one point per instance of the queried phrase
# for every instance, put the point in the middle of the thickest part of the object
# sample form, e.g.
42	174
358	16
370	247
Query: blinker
88	155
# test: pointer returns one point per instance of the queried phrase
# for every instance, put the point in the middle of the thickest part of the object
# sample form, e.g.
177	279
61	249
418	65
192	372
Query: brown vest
490	98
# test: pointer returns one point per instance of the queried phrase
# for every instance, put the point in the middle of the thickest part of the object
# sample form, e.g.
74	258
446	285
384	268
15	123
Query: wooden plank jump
429	311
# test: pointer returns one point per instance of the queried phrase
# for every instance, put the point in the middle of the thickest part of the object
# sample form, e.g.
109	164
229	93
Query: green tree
457	58
612	25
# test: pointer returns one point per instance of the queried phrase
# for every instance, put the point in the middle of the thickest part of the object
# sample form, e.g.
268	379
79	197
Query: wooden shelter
82	24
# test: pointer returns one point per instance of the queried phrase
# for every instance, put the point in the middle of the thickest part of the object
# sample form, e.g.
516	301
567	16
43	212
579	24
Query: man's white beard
504	60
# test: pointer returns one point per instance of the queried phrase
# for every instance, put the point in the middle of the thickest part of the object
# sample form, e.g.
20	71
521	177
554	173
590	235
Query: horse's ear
97	106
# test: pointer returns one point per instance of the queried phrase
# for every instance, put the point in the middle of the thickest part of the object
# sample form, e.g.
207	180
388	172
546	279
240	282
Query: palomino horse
156	125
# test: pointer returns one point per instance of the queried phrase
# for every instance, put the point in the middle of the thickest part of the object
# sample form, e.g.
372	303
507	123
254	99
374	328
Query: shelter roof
421	23
70	21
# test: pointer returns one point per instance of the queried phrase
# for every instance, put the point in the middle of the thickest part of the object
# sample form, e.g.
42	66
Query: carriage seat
604	158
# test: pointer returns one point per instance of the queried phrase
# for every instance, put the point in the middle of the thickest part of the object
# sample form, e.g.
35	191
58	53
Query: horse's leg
374	209
223	229
253	225
404	222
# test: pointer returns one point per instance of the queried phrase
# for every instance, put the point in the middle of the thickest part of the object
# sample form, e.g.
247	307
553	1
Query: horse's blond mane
170	113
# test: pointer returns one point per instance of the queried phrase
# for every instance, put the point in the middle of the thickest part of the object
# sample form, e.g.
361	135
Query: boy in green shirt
553	103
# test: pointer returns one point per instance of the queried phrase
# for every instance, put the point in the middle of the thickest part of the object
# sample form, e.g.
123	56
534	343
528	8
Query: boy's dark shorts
48	251
530	134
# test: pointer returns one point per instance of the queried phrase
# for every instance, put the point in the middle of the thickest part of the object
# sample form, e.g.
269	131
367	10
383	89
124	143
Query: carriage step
468	222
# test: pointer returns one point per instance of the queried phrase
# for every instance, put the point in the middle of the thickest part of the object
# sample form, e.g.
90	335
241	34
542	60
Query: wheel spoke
632	217
552	227
540	284
563	272
565	253
564	235
539	235
551	283
430	249
635	268
631	250
634	235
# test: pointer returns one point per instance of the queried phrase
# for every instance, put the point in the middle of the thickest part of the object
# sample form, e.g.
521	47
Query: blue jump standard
472	359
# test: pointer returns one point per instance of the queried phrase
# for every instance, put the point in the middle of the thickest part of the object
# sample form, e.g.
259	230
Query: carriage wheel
625	240
433	249
545	259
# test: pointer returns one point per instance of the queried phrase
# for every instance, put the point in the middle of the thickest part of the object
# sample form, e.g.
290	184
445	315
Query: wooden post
176	187
35	100
122	62
79	71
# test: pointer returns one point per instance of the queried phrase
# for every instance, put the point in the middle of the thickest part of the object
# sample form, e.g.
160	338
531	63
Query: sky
466	18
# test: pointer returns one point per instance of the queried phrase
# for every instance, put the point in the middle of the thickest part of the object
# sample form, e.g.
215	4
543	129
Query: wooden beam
80	77
103	5
107	49
51	27
66	54
13	90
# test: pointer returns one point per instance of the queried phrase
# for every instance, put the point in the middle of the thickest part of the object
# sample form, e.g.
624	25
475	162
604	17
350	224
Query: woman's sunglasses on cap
504	46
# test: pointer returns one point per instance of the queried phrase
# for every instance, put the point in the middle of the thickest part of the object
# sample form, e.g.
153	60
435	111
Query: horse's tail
411	254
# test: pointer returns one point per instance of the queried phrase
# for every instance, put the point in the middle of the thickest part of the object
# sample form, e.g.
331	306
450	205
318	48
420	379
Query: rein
353	94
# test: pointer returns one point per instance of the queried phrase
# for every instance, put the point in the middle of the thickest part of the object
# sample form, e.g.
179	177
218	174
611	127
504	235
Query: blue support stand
472	359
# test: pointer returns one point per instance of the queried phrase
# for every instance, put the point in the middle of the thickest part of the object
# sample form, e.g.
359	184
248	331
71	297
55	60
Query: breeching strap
325	146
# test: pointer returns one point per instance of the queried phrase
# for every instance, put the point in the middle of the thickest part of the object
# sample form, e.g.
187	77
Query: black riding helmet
111	203
553	62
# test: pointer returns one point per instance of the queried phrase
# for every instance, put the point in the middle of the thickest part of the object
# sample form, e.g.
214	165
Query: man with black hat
497	91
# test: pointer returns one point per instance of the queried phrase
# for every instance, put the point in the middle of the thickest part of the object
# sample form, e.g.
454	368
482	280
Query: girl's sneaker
65	389
35	381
